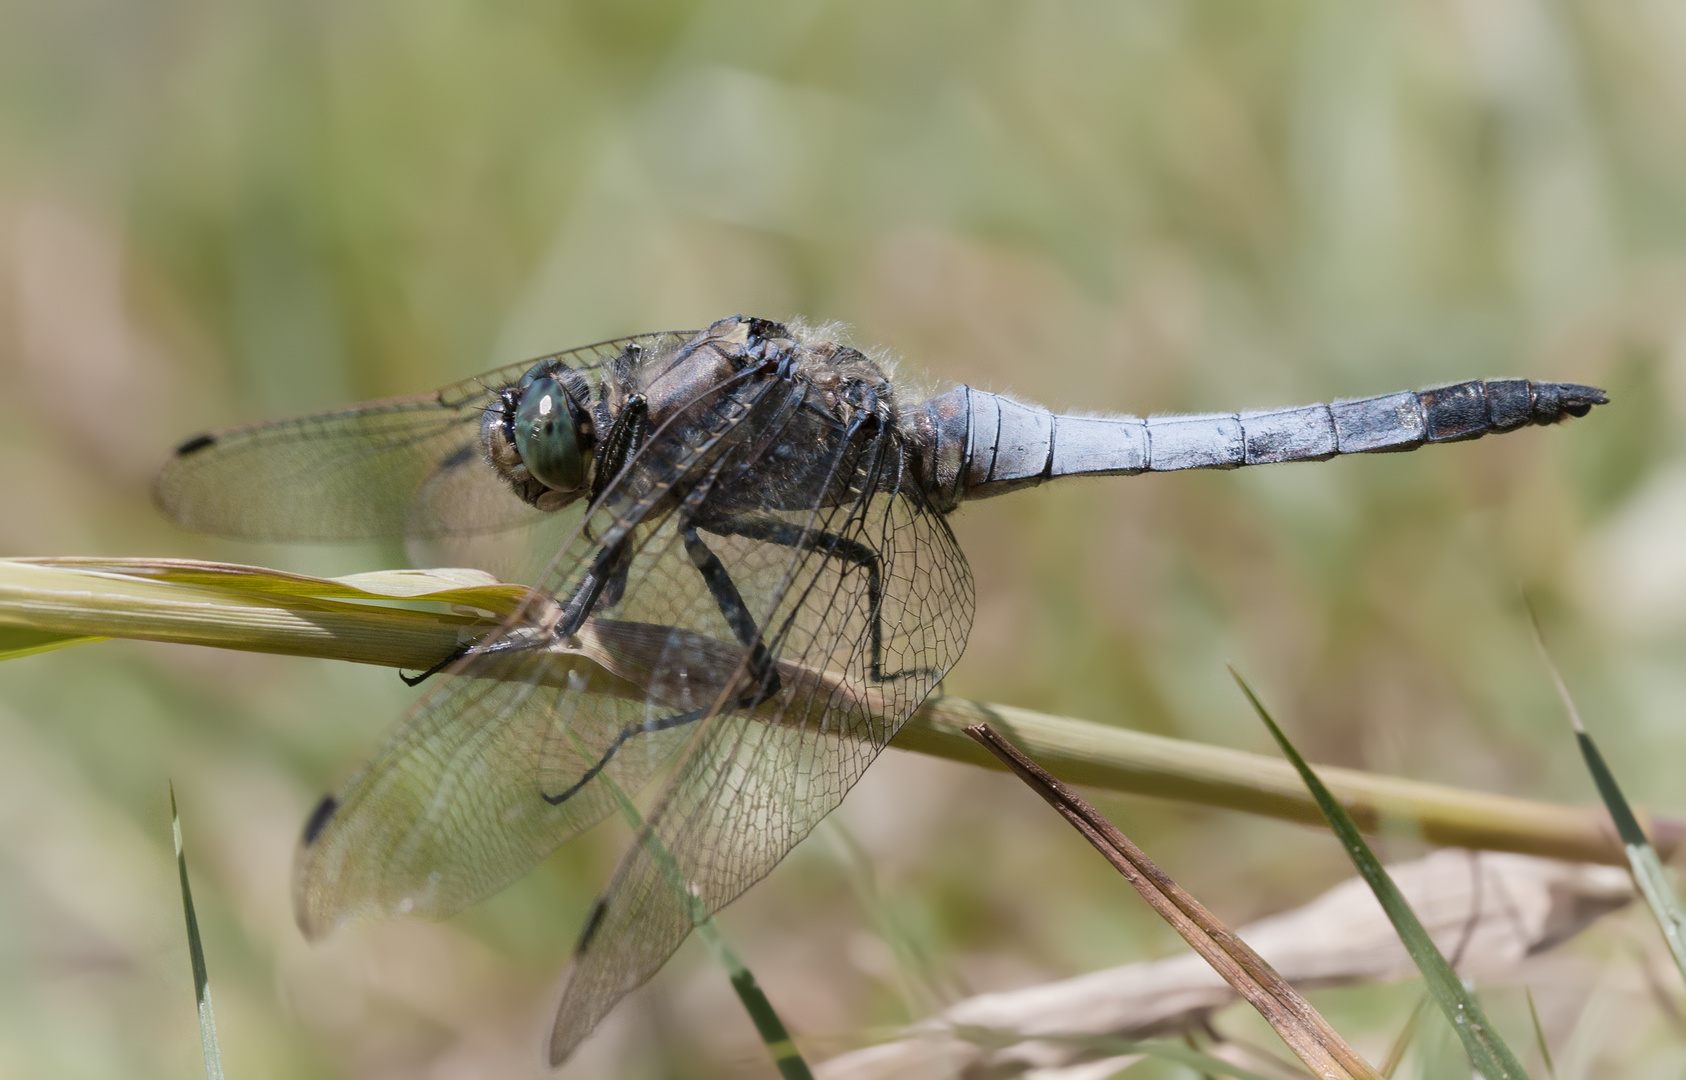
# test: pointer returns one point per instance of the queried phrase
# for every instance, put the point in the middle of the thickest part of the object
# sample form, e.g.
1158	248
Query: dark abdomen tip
1555	401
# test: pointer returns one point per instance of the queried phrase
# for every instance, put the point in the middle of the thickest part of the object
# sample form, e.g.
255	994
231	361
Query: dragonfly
745	584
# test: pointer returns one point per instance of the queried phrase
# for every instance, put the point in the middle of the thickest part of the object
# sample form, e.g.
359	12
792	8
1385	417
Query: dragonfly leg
510	644
450	658
764	676
648	727
831	546
732	606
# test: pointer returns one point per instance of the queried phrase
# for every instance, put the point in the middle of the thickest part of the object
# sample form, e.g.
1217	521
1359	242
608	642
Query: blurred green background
221	212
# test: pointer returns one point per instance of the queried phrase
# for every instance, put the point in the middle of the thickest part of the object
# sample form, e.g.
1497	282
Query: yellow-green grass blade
447	585
1487	1052
400	619
196	955
378	622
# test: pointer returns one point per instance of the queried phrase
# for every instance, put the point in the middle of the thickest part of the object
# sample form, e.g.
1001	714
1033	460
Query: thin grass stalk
1487	1052
1111	1046
1539	1035
196	956
1402	1043
1287	1011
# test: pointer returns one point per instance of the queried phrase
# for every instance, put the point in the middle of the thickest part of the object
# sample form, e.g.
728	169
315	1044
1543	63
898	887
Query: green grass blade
196	953
780	1045
1648	871
1487	1052
1647	867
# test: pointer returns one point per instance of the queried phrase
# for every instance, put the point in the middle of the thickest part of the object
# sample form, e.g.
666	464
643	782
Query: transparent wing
455	806
404	467
858	643
451	810
768	603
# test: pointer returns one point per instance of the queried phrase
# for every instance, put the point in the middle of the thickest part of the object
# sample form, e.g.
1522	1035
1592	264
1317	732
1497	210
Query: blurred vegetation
215	212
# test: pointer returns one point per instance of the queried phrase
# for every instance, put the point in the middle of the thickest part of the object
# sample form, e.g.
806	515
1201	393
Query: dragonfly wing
752	783
404	467
451	809
515	749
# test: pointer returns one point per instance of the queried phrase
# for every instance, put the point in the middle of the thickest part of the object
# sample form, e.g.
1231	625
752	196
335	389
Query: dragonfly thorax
539	436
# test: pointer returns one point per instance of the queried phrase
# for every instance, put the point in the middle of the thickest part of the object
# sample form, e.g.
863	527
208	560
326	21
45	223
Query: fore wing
404	467
454	807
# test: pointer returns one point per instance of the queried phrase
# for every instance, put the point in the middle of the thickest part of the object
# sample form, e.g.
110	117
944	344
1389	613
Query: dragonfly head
540	436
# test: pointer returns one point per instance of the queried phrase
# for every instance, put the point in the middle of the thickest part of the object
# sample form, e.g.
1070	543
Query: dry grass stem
1301	1026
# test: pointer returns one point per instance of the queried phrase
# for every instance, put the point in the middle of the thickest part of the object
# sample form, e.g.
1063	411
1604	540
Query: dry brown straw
1300	1025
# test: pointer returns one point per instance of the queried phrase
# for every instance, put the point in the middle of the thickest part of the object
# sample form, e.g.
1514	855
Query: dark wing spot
198	442
460	457
598	910
319	818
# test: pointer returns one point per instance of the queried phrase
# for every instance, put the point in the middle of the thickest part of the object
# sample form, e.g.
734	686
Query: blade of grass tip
780	1046
1487	1052
1539	1034
21	641
196	954
1407	1035
1642	857
1287	1011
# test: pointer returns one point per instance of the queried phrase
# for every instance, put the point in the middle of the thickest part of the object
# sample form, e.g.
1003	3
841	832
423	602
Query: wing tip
566	1033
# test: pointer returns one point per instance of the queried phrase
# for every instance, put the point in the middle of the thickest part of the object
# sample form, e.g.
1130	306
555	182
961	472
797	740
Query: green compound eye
547	438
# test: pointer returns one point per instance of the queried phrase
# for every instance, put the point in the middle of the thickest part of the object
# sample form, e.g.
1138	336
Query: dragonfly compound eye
548	435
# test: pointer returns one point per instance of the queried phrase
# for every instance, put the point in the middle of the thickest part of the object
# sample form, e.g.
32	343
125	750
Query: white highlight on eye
544	406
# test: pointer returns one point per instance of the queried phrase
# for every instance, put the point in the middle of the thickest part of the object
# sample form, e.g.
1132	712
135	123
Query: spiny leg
832	546
648	727
736	612
764	676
